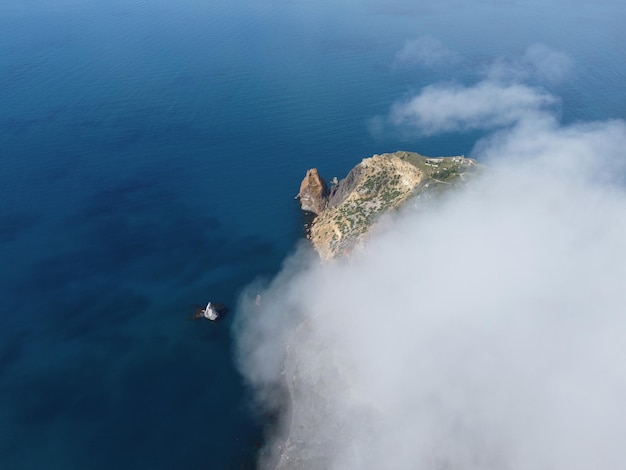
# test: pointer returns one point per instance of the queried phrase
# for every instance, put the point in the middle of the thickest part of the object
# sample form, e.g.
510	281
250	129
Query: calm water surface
150	152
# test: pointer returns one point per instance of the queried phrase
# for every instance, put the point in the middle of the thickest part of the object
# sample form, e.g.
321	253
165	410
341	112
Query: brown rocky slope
377	185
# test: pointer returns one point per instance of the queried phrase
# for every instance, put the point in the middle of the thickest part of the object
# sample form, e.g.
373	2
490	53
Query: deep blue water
150	152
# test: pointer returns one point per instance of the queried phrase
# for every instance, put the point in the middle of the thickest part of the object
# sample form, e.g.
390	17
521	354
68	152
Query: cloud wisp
424	51
539	63
453	108
502	97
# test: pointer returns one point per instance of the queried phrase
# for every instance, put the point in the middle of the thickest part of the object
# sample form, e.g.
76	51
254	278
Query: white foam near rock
210	312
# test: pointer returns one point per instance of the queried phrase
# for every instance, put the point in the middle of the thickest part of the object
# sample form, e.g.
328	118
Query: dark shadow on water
109	354
11	350
248	247
13	226
74	390
131	195
95	310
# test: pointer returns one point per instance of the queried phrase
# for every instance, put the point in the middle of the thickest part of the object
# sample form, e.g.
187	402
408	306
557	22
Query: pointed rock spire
313	193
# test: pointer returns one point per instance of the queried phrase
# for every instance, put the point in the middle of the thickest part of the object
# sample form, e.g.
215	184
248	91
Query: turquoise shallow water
150	154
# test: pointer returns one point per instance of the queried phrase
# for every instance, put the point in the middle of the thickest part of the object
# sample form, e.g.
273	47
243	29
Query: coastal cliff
376	185
344	216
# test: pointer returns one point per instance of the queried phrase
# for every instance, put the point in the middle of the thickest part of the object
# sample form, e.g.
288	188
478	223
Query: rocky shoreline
345	212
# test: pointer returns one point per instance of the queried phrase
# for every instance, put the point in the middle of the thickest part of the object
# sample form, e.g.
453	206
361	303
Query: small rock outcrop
313	193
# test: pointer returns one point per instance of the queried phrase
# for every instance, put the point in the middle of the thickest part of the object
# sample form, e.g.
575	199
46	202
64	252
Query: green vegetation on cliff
375	186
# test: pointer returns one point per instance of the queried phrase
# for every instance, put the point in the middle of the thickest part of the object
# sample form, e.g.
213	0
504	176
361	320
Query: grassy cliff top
377	185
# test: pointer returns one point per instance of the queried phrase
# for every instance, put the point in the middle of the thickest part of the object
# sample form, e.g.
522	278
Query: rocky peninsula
345	212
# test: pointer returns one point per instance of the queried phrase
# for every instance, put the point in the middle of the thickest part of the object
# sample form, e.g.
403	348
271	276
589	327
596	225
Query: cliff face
313	193
376	185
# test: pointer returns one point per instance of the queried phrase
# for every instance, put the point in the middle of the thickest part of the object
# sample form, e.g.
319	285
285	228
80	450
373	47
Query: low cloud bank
448	108
539	63
502	96
424	51
485	330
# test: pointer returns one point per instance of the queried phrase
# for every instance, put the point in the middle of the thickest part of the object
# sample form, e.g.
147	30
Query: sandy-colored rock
313	193
377	185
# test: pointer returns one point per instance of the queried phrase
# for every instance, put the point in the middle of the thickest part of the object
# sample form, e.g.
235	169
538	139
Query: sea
150	152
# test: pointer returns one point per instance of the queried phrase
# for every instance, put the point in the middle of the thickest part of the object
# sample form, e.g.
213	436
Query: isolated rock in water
212	311
313	193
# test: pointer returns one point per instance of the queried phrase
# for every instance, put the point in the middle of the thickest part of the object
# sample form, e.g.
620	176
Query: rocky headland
343	216
345	213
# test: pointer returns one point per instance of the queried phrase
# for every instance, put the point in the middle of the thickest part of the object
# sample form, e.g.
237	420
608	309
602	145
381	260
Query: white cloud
425	51
551	65
484	333
451	108
539	62
500	99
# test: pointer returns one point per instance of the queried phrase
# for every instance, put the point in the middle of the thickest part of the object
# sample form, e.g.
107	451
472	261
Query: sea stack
313	193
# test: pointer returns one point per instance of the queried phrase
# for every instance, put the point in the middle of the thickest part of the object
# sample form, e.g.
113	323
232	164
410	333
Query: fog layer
485	330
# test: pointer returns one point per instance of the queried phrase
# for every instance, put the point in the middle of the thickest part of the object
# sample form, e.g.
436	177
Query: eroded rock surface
378	184
313	193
